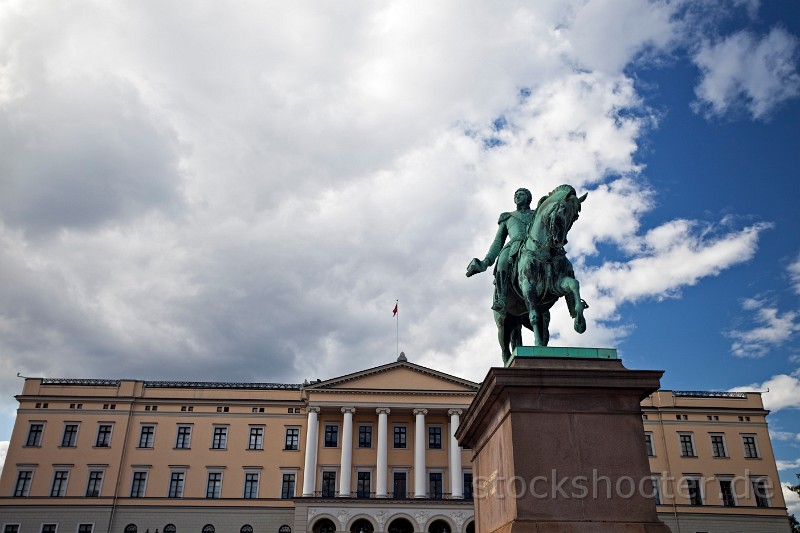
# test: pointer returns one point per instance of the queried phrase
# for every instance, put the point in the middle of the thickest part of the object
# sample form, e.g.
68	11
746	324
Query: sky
241	191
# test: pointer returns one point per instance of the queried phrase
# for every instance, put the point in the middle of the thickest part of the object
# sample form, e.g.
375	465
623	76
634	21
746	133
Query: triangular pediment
398	376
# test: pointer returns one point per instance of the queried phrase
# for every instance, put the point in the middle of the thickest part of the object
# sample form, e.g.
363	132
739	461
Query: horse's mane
565	189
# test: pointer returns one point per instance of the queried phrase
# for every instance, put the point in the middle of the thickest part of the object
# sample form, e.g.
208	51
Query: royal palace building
371	451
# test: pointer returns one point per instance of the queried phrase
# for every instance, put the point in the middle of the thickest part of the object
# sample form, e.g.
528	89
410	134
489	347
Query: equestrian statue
532	270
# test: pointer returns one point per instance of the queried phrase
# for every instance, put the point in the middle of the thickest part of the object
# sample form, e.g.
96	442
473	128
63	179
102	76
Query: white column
310	468
383	453
456	478
347	451
419	454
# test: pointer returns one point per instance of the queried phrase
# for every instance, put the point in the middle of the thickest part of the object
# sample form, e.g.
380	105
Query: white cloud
783	435
742	70
792	500
787	465
772	329
794	274
781	391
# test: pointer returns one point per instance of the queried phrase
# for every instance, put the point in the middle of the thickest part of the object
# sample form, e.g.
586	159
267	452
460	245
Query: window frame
404	494
288	480
247	489
692	448
177	481
148	437
214	492
400	430
106	435
73	442
259	441
699	482
434	437
37	436
140	484
94	480
365	435
62	483
746	448
219	437
722	496
432	494
649	444
331	435
467	484
759	499
328	484
716	445
291	438
23	490
362	477
183	437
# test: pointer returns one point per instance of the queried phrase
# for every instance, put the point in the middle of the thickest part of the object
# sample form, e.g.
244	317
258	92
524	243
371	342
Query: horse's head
557	212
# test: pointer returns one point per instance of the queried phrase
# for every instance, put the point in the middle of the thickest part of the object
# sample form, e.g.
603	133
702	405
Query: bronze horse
543	274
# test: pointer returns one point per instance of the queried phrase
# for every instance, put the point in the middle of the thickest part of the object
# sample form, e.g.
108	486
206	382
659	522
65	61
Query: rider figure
513	226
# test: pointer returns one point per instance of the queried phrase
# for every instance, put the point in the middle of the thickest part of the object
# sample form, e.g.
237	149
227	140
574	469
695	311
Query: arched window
170	528
247	528
401	525
130	528
362	525
208	528
470	527
439	526
325	526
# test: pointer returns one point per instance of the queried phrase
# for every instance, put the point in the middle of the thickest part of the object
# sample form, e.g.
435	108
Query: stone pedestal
558	445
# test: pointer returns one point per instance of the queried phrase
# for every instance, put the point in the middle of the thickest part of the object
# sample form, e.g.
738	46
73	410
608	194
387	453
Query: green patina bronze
532	270
533	352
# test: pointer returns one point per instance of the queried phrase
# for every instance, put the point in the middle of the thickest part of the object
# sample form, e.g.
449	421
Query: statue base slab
558	445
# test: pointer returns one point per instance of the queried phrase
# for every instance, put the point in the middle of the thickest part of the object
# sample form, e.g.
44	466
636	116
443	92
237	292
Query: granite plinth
558	445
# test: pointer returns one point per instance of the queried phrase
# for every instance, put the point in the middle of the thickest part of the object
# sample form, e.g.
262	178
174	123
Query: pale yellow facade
371	451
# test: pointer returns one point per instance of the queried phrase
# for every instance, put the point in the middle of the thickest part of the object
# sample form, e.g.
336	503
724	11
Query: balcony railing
389	496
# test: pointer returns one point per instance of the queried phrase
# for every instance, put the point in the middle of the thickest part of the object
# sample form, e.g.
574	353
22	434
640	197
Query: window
146	436
35	435
49	528
131	528
95	484
750	449
726	493
648	442
331	436
399	485
103	436
138	484
760	492
287	486
292	441
70	437
184	438
656	494
687	445
256	438
85	528
220	439
208	528
23	486
250	485
328	484
11	528
247	528
435	437
718	446
176	481
59	488
365	436
693	491
363	485
467	485
435	485
400	436
170	528
214	485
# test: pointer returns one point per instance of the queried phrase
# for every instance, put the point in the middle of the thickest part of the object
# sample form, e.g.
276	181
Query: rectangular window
287	486
214	485
49	528
184	438
435	485
95	484
687	445
726	493
11	528
718	446
59	488
138	484
434	437
85	528
399	436
693	491
467	485
363	486
365	436
331	436
146	436
256	438
760	492
328	484
648	442
220	439
70	437
176	481
251	485
35	435
399	485
656	494
23	486
750	449
103	436
292	441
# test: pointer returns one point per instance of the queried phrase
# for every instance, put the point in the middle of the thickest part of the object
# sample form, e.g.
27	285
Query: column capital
422	412
313	409
452	412
383	411
348	409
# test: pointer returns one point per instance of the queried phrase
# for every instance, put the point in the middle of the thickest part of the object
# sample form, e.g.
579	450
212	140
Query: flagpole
397	324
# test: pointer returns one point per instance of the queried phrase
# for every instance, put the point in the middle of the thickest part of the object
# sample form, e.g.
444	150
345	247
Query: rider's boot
500	292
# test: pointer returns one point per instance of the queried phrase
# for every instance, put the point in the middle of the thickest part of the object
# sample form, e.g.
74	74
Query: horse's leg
545	327
502	337
529	292
572	287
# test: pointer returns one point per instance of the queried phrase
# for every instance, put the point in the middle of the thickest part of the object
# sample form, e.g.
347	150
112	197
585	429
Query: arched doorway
439	526
400	525
362	525
325	526
470	527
